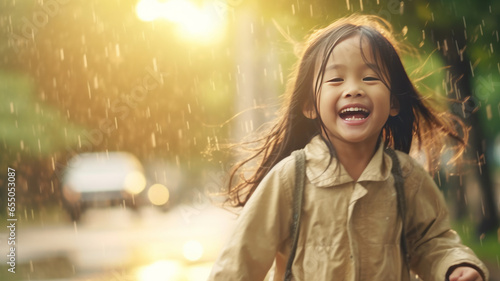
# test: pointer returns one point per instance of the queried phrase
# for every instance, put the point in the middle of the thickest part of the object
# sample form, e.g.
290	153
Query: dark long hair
292	130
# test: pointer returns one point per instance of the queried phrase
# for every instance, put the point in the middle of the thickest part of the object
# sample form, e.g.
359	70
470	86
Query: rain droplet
96	82
155	66
153	139
88	89
488	112
85	60
281	73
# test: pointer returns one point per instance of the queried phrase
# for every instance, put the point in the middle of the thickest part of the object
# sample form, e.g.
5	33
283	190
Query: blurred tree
458	29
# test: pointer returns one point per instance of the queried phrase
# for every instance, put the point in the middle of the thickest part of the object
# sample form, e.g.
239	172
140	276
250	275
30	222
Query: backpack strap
400	193
298	192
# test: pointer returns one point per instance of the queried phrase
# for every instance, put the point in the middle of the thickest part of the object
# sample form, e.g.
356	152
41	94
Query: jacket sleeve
262	227
434	246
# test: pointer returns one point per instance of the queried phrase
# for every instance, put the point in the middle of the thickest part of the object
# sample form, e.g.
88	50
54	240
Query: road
120	244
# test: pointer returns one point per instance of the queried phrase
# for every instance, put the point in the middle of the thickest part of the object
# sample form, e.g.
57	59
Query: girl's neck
354	157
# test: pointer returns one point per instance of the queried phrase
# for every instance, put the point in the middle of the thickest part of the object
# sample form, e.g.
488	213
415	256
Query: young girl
349	100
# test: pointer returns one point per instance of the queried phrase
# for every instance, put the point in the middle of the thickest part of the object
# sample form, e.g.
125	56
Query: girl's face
353	103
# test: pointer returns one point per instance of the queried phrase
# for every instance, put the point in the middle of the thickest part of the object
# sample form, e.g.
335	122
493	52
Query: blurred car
102	179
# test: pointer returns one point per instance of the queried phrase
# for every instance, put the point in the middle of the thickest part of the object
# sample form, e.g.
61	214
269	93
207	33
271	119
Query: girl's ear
308	111
394	106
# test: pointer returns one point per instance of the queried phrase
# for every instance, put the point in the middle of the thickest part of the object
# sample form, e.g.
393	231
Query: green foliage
28	125
485	245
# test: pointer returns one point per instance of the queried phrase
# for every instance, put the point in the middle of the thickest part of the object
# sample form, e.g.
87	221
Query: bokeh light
158	194
135	182
192	250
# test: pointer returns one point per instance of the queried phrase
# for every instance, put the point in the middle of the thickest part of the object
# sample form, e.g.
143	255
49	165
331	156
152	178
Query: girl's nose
353	94
354	91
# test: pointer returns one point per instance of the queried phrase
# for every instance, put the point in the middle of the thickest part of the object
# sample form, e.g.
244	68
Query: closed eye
335	80
371	79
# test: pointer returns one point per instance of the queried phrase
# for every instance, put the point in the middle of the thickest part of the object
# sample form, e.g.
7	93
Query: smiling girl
350	105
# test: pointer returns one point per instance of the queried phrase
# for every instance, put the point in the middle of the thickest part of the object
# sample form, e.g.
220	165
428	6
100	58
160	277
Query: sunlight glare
148	10
160	271
200	23
199	272
192	250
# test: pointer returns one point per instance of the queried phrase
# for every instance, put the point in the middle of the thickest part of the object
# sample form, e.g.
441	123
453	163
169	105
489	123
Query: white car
101	178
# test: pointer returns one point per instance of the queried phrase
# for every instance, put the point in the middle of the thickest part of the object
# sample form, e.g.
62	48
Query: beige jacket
349	230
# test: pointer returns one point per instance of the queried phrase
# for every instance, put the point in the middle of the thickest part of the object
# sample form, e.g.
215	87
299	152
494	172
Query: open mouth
354	113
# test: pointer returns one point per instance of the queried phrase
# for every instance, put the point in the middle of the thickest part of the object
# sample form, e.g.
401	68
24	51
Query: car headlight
135	182
158	194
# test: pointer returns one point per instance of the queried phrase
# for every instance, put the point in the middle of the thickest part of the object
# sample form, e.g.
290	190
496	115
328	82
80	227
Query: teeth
354	109
353	119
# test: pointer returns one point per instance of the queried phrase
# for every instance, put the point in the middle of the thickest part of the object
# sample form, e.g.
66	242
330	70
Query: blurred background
114	115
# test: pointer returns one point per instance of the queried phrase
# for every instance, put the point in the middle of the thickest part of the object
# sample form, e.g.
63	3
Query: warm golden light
135	182
194	22
161	271
199	272
192	250
148	10
158	194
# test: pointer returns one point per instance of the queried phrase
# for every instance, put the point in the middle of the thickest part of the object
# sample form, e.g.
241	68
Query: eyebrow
334	66
337	66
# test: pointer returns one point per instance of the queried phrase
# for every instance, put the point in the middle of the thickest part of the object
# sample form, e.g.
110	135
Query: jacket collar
323	175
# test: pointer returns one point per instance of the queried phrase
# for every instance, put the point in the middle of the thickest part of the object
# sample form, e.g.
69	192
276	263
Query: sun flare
200	23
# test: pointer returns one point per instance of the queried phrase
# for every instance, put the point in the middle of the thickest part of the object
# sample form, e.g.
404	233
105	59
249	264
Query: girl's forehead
356	52
351	47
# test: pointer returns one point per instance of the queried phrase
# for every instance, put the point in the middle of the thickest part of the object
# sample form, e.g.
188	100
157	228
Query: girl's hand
465	273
